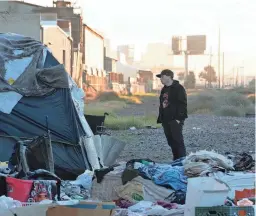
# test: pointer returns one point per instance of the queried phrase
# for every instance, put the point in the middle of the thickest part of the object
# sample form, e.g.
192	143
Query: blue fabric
166	175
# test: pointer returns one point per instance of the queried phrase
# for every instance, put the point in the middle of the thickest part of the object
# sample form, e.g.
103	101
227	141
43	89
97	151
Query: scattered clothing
166	175
122	203
210	157
178	197
5	170
167	205
105	190
42	190
150	208
69	190
132	191
195	169
244	162
130	163
202	163
153	192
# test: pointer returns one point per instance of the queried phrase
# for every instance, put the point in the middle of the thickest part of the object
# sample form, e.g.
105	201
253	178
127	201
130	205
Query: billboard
196	44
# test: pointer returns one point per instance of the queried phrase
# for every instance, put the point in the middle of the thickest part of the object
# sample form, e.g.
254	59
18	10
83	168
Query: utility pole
210	64
219	58
223	70
234	76
237	72
242	76
186	63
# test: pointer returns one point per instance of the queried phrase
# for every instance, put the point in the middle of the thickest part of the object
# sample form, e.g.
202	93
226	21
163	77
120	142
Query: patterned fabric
43	189
74	191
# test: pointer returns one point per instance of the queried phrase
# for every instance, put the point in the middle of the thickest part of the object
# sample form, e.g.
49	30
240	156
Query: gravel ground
201	132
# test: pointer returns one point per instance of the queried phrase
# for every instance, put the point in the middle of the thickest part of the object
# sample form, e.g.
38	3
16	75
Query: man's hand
178	121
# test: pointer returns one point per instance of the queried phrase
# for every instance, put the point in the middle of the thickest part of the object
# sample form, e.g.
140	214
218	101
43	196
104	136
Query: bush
244	91
233	99
220	102
250	110
252	98
230	111
202	101
108	96
252	85
123	123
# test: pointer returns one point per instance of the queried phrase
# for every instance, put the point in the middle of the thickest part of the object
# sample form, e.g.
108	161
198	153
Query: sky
143	21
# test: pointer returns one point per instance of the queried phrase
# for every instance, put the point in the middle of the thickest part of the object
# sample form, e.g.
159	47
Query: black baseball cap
166	72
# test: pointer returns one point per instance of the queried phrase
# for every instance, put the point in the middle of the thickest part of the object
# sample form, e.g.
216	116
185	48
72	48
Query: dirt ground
201	132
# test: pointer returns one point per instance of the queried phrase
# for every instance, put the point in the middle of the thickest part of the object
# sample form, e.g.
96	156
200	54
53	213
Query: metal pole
223	70
234	77
186	64
219	58
210	64
237	72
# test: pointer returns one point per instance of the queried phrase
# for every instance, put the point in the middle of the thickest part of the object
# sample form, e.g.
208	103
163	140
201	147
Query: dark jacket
177	103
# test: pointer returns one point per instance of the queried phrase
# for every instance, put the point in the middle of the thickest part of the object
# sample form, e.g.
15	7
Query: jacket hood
174	84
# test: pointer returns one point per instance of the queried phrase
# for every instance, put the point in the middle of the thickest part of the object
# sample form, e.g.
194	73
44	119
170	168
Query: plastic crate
225	211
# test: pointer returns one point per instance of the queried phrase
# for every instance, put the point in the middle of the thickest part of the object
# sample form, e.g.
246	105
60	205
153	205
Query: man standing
173	112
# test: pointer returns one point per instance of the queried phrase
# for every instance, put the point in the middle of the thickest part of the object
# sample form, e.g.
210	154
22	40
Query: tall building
128	51
156	55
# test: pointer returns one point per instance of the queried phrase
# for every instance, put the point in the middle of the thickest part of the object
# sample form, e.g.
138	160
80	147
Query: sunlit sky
143	21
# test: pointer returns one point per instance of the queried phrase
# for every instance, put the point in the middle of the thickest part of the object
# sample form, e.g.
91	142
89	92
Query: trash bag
244	162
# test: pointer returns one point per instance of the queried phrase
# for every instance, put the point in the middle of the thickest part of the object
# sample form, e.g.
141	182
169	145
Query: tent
33	87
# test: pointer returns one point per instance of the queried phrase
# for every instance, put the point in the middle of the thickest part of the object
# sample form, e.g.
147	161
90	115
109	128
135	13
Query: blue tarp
28	119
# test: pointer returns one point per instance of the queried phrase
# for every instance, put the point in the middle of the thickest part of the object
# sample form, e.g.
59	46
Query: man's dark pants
174	136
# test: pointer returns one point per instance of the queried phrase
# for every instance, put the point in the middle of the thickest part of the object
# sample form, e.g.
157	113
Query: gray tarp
29	79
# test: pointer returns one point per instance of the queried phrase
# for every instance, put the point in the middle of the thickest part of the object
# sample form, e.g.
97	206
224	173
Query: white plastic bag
84	180
9	203
148	208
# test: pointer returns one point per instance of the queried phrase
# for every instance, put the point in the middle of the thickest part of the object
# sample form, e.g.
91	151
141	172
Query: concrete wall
127	70
24	24
94	49
110	64
99	83
138	89
60	45
17	7
75	19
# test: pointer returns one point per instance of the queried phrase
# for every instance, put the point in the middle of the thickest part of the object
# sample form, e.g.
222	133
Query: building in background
60	43
94	73
128	51
110	57
93	50
145	77
20	18
156	55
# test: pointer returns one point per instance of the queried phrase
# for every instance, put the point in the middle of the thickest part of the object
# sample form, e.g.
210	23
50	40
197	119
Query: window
64	57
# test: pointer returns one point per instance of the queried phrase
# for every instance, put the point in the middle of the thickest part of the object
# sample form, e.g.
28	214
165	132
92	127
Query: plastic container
203	192
18	189
239	181
224	211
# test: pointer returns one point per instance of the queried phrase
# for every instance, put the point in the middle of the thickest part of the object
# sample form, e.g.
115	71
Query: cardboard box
83	209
